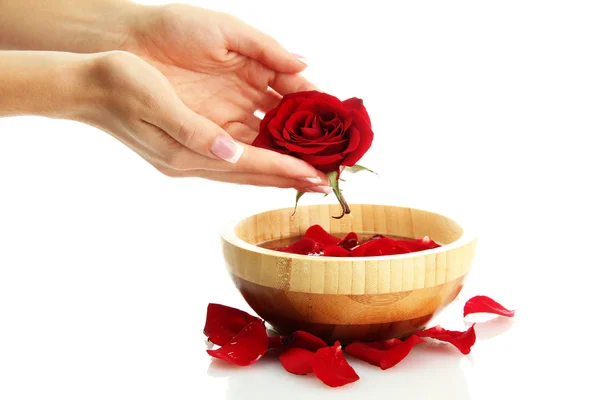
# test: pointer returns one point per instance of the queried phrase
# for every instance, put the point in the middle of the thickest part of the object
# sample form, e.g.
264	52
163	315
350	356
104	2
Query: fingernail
227	149
319	189
300	58
313	179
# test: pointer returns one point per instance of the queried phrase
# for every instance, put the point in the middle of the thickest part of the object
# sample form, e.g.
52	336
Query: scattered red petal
297	361
385	353
349	242
485	304
336	251
276	342
245	348
305	246
223	323
304	340
321	236
331	367
463	341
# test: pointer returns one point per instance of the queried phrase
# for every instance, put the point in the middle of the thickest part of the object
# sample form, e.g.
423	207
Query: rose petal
276	342
331	367
384	354
321	236
304	340
422	244
485	304
337	148
381	247
357	105
283	112
463	341
223	323
305	246
354	138
365	135
310	133
264	141
246	347
297	361
336	251
304	148
324	163
349	242
295	122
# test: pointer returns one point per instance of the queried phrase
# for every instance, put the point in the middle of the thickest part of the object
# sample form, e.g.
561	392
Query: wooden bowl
346	299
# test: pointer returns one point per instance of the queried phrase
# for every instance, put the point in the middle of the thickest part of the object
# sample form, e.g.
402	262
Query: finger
242	132
253	180
267	162
270	100
167	151
291	83
249	41
195	151
199	134
264	162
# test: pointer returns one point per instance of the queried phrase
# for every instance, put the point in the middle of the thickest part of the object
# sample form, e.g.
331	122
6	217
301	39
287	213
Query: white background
484	109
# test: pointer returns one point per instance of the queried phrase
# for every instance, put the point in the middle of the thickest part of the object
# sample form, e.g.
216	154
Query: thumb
202	135
250	42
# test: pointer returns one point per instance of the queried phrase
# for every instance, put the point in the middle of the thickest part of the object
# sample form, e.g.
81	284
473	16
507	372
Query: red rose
318	128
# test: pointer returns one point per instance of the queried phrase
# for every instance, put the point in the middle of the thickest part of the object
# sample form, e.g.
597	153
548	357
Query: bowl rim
227	234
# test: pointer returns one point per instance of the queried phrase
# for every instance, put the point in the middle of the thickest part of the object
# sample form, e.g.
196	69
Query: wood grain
376	316
348	298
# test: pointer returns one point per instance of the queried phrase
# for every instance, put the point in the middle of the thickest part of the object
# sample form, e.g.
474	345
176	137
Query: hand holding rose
181	89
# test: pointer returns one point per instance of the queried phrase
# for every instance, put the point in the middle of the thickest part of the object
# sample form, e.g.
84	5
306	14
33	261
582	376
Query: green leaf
358	168
298	195
335	185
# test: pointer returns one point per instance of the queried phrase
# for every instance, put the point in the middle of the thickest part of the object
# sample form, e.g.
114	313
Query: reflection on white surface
493	327
431	371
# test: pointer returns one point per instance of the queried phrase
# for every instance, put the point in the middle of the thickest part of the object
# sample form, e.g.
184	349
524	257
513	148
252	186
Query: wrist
70	25
40	83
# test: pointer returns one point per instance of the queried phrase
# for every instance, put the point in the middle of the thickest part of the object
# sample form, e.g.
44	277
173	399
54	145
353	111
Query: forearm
66	25
49	84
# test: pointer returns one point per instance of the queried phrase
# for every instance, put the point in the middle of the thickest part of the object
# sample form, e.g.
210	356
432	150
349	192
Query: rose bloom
319	129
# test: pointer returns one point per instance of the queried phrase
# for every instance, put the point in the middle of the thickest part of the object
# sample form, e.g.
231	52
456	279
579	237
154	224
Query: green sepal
358	168
298	195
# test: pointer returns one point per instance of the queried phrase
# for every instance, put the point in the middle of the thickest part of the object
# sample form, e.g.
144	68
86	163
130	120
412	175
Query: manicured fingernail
300	58
227	149
313	179
319	189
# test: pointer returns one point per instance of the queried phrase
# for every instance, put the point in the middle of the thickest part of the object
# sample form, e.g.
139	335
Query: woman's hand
135	103
190	110
220	67
125	96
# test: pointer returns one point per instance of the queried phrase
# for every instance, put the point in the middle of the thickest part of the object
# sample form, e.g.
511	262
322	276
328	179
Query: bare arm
66	25
40	83
193	120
